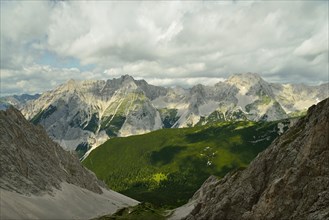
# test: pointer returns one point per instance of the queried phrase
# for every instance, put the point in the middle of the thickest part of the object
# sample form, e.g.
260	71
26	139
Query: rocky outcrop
40	180
289	180
31	162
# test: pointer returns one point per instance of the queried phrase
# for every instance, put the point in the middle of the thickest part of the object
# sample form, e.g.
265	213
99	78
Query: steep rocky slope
83	114
289	180
38	178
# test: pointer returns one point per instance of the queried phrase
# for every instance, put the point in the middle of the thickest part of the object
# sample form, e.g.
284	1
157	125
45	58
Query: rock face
289	180
87	113
83	114
31	162
33	166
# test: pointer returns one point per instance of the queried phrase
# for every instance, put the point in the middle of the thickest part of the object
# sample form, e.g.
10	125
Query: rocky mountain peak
247	78
71	81
127	78
124	82
197	88
250	84
128	82
71	85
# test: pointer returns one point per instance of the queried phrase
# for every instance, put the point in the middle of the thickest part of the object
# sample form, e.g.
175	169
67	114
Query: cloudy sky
45	43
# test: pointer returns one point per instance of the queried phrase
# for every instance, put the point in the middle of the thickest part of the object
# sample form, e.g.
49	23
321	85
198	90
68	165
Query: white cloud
38	78
315	45
183	82
22	23
286	41
24	20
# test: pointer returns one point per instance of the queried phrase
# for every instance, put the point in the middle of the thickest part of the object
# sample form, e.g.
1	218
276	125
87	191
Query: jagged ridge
87	113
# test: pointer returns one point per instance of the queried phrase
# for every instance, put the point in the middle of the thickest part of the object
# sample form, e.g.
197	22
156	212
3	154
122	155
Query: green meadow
167	166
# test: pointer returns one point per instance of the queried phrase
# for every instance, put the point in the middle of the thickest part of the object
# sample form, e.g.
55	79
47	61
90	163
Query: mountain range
81	115
40	180
16	100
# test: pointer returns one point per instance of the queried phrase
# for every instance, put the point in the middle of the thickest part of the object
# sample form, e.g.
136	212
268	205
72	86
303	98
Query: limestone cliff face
32	163
83	114
289	180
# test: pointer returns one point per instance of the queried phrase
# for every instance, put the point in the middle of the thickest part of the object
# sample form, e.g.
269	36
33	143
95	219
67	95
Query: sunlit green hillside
167	166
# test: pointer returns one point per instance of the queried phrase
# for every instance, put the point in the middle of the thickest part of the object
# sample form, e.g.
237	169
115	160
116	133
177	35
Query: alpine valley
159	145
81	115
164	110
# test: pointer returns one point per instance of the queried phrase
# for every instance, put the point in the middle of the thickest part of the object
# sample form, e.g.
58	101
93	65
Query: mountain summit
289	180
83	114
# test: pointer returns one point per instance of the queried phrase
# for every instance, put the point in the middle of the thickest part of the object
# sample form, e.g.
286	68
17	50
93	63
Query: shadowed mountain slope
40	180
289	180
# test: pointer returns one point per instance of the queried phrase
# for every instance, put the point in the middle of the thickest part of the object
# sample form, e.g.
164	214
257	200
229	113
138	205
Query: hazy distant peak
250	78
